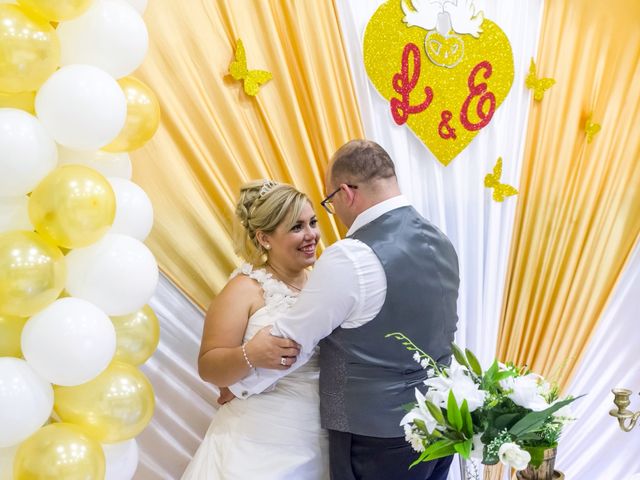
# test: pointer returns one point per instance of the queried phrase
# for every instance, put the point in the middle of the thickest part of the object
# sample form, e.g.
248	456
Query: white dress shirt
346	289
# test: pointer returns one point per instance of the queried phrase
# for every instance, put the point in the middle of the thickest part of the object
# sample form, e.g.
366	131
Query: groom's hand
266	351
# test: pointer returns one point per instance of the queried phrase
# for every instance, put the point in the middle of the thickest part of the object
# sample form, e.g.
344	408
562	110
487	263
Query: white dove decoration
463	18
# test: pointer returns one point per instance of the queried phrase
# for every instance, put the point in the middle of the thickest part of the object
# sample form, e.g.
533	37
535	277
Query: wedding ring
283	361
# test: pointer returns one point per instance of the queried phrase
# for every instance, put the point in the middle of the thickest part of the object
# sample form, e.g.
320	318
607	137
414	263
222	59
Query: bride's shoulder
248	271
241	286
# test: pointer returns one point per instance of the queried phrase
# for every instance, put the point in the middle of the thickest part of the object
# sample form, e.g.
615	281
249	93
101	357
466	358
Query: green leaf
473	362
467	422
464	448
506	420
534	420
453	412
530	437
460	358
421	425
434	449
488	378
418	460
443	450
453	435
504	374
407	407
436	412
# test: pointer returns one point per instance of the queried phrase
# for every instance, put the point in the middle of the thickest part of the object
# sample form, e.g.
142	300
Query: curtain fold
214	137
578	217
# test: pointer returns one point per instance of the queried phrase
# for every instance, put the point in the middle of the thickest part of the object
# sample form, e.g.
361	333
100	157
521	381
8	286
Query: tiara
266	187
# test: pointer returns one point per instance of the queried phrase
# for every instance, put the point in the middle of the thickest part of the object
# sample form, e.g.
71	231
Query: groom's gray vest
365	378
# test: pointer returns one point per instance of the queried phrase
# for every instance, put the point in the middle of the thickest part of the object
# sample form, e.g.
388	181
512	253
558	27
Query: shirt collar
371	213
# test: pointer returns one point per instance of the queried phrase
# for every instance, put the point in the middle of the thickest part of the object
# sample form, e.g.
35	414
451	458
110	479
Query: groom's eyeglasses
327	203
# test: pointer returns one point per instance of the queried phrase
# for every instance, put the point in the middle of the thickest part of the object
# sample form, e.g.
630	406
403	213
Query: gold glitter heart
461	81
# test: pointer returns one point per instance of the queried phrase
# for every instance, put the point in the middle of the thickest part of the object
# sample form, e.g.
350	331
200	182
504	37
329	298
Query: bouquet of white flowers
504	413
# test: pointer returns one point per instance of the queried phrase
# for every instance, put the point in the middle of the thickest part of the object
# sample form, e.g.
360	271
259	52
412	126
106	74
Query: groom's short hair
359	161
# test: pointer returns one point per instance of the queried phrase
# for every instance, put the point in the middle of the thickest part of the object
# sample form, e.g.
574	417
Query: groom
395	272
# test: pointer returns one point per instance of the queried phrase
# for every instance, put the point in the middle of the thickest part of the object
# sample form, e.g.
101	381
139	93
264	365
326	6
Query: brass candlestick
622	413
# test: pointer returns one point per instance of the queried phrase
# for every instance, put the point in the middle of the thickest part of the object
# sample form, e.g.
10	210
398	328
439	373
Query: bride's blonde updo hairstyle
263	205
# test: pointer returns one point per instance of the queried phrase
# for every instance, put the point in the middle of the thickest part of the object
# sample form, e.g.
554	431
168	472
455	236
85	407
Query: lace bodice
277	297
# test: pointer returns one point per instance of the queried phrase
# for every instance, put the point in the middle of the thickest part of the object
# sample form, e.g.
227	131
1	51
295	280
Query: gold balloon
59	450
29	50
57	10
21	100
113	407
32	273
73	206
137	336
143	116
10	331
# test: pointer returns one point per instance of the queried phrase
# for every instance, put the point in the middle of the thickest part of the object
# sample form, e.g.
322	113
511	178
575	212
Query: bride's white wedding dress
275	435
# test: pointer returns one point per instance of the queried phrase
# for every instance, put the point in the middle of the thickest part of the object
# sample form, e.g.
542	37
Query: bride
275	435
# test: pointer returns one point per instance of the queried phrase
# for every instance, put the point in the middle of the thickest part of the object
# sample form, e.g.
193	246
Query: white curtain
594	447
185	404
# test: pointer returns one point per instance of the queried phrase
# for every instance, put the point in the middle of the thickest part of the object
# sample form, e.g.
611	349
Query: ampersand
445	130
402	108
481	91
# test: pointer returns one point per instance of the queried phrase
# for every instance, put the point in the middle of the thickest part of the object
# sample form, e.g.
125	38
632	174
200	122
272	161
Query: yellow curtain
214	137
578	214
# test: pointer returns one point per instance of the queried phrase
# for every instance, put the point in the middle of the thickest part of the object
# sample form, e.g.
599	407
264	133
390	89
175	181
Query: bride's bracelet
246	358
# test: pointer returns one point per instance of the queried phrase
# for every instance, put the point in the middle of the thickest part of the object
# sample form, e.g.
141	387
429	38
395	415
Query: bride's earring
267	247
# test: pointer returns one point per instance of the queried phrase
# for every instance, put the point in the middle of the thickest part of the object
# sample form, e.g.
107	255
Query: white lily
462	385
420	412
526	391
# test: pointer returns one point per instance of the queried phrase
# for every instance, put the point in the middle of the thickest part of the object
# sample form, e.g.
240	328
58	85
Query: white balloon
82	107
69	342
121	459
14	215
108	164
139	5
110	35
134	212
117	273
26	401
27	152
6	456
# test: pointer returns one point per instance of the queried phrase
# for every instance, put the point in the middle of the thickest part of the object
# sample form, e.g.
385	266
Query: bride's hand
266	351
225	396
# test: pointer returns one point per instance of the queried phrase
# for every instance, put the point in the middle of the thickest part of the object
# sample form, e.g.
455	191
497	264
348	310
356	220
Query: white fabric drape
594	447
185	404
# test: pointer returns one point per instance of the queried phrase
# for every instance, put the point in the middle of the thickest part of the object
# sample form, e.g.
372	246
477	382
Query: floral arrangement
503	414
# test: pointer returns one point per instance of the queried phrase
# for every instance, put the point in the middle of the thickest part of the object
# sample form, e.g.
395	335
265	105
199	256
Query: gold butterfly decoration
538	85
252	79
492	180
591	129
